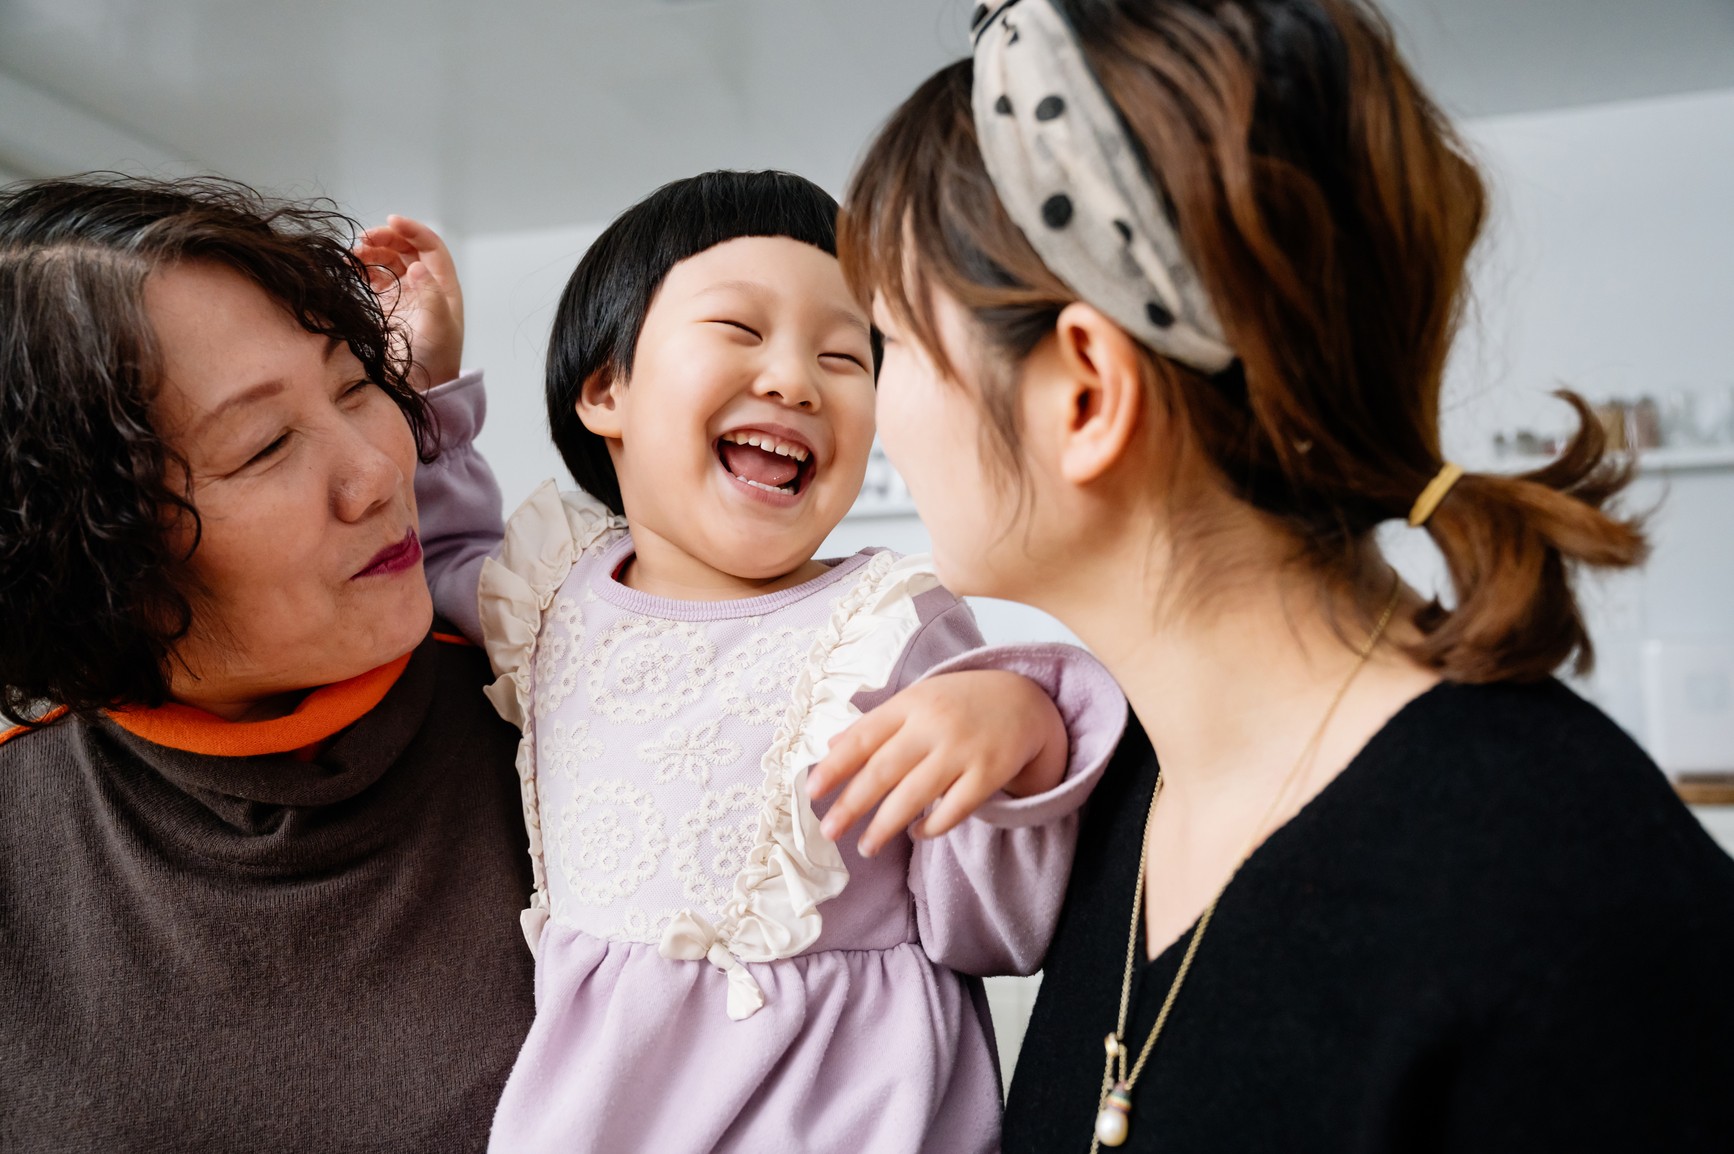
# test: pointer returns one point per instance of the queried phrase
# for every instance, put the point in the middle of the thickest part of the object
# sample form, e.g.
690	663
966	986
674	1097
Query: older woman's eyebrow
262	391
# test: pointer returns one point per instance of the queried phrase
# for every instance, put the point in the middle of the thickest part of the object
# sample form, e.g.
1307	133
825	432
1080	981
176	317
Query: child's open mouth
762	460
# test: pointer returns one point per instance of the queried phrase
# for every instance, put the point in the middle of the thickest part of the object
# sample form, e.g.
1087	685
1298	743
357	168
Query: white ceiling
521	114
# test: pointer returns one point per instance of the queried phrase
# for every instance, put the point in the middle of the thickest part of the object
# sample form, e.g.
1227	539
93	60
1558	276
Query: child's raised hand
411	271
954	739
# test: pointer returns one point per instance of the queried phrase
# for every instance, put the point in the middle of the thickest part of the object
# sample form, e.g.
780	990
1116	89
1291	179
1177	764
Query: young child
717	969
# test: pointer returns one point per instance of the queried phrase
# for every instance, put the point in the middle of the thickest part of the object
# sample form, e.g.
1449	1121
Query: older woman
1167	289
261	852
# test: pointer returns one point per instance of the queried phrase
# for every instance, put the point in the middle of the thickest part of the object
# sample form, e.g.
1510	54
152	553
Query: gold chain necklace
1114	1118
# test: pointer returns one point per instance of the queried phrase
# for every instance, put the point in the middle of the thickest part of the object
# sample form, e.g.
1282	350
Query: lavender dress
712	972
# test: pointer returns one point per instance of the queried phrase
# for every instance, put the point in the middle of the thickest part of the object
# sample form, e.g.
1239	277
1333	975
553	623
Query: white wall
1608	267
1609	262
512	282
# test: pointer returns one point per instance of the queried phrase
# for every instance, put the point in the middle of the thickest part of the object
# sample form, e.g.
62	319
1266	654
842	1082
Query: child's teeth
768	444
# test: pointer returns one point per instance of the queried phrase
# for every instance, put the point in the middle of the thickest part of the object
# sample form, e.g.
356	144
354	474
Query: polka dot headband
1072	181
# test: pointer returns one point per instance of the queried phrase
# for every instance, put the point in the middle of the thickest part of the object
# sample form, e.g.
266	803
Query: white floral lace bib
666	744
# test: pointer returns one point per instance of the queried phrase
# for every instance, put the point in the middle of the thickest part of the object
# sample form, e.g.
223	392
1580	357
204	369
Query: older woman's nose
365	479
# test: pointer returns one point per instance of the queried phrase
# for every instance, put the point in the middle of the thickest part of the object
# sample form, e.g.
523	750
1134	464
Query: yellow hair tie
1433	494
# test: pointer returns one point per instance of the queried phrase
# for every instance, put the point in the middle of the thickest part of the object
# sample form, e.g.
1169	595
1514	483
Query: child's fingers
415	232
389	238
411	250
388	233
383	283
389	259
850	749
378	279
888	766
962	799
913	794
369	244
425	241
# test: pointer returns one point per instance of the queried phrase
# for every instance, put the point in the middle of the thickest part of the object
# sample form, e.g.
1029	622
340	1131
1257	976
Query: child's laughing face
742	435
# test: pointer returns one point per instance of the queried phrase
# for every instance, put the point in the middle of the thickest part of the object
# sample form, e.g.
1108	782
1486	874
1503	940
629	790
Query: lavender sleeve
459	503
988	893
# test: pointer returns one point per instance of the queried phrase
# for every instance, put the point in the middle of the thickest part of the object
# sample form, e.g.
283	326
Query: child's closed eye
739	326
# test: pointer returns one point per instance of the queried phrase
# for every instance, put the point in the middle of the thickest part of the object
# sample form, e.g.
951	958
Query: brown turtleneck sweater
206	947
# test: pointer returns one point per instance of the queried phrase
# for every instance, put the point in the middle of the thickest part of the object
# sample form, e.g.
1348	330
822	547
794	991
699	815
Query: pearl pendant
1115	1120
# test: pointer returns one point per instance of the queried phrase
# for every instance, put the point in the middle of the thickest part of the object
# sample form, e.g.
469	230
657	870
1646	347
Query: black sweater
1497	930
203	953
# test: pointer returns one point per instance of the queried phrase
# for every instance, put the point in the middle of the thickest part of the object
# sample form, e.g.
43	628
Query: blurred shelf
1705	788
870	510
1686	460
1697	459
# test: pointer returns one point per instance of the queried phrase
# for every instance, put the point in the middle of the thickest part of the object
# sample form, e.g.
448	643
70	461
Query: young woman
1167	289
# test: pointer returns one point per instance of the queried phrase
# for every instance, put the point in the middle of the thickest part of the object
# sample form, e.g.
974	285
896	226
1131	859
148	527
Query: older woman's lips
406	554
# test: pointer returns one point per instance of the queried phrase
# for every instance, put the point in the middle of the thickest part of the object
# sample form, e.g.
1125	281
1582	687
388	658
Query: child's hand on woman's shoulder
950	742
411	271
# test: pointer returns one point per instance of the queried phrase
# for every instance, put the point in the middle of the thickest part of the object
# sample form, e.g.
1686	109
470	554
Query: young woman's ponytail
1511	545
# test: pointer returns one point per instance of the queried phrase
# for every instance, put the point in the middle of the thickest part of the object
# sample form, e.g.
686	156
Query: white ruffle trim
544	538
793	866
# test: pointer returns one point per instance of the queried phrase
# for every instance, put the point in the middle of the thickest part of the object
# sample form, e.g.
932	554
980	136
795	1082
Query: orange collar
321	714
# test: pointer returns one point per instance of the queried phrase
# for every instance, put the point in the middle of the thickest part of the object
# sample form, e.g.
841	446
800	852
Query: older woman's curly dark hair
93	591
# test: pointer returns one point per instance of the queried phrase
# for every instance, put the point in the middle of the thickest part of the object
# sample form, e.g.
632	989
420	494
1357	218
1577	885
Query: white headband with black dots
1071	180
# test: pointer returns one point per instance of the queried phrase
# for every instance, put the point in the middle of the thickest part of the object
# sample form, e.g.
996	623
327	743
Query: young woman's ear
599	404
1101	389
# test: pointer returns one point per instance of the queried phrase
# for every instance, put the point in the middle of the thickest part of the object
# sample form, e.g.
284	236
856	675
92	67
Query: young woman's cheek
892	405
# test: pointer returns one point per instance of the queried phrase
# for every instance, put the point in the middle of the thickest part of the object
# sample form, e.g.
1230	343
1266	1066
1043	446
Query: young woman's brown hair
1329	210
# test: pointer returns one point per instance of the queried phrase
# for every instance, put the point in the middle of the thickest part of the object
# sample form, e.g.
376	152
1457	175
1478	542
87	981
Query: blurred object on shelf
1717	416
1644	424
1526	443
1612	415
883	493
1680	428
1680	425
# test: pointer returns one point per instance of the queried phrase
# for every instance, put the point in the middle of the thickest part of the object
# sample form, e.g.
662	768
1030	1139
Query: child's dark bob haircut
602	311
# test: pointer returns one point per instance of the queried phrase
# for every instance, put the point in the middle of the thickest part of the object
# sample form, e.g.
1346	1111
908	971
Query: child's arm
457	498
459	504
1005	744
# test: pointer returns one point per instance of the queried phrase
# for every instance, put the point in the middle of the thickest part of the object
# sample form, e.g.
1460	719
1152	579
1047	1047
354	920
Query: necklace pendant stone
1115	1120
